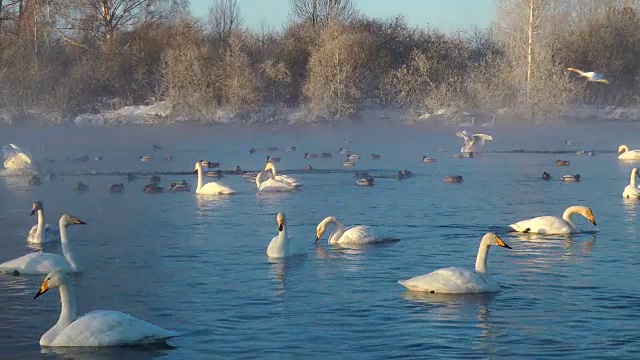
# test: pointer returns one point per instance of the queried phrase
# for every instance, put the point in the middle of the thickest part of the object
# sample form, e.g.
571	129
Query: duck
156	147
546	175
281	246
97	328
152	188
353	157
272	159
403	174
209	164
155	179
131	177
97	158
41	232
307	168
290	148
210	188
179	186
252	150
427	160
236	169
472	143
41	262
145	158
35	180
453	179
310	155
349	163
563	162
455	280
631	190
250	176
571	178
344	151
272	184
354	235
553	224
82	186
116	188
218	173
287	178
626	154
365	182
590	76
326	155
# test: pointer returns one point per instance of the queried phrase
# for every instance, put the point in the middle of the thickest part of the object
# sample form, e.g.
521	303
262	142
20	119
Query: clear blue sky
445	15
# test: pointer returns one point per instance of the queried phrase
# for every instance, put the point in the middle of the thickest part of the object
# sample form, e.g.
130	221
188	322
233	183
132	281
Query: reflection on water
280	268
96	353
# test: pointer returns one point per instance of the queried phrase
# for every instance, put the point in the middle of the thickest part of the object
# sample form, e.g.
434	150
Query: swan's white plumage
454	280
282	246
472	143
280	177
271	184
16	158
626	154
631	190
41	232
355	235
553	224
210	188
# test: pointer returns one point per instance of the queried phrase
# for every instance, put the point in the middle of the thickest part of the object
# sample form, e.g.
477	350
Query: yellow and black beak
33	211
280	225
43	289
503	244
592	219
77	221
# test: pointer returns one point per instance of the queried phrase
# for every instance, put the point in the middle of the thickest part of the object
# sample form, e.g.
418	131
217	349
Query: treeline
60	58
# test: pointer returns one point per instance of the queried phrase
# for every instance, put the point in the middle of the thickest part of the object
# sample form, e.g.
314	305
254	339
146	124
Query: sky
445	15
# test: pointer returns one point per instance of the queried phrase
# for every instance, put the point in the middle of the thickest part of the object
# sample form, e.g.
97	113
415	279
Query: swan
591	76
210	188
281	246
554	224
626	154
290	179
272	184
359	234
16	158
98	327
631	190
41	232
42	263
454	280
488	124
469	124
472	142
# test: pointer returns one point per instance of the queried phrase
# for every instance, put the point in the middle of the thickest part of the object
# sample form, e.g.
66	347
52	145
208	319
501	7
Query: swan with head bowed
41	232
210	188
16	158
354	235
96	328
472	142
281	246
290	179
626	154
272	184
41	262
454	280
631	190
554	224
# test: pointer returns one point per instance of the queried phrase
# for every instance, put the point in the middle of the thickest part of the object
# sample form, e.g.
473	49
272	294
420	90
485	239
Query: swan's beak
592	219
43	289
503	244
318	236
33	212
280	225
76	221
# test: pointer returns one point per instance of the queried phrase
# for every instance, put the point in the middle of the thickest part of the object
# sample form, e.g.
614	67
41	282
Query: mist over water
197	265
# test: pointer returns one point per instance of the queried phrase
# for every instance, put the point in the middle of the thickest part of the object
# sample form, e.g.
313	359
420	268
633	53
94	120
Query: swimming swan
41	232
210	188
16	158
96	328
631	190
356	235
271	184
290	179
554	224
472	142
626	154
281	246
454	280
42	263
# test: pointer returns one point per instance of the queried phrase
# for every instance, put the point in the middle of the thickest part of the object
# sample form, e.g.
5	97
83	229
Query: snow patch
158	113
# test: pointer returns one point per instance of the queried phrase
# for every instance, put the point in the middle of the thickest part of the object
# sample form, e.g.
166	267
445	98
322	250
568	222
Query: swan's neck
481	259
68	302
66	247
632	182
259	179
282	239
566	216
199	179
336	235
40	223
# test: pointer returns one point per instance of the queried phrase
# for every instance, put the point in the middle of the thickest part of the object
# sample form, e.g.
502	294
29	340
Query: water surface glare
198	265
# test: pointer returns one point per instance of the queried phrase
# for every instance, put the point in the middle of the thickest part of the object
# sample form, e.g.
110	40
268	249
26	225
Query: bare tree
240	83
224	18
320	12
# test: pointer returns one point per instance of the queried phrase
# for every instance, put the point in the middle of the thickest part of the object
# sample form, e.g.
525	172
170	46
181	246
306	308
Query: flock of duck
113	328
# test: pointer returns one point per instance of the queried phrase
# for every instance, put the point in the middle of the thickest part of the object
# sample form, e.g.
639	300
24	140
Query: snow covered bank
155	114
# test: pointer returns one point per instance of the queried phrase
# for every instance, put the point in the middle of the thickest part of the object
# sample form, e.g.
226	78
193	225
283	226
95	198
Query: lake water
197	265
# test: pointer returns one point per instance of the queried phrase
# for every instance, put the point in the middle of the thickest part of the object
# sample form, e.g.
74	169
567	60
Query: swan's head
269	166
634	172
37	205
322	227
280	220
53	280
67	219
588	213
198	166
622	148
495	240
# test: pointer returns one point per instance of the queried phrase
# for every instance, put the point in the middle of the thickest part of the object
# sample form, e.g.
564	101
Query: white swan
631	190
290	179
488	124
42	263
453	280
554	224
16	158
41	232
271	184
96	328
626	154
591	75
210	188
469	124
472	142
356	235
281	246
